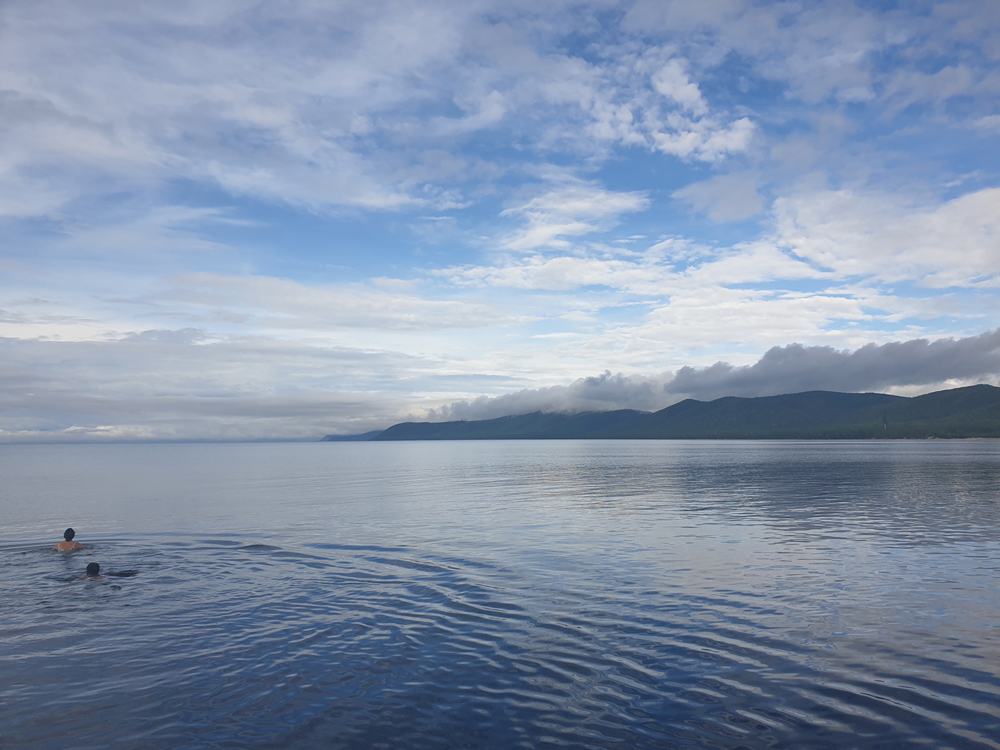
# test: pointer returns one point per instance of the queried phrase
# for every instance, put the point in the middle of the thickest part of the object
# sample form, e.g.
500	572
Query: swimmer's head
93	569
69	534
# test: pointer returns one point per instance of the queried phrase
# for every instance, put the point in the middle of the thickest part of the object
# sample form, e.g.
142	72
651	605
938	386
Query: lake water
551	594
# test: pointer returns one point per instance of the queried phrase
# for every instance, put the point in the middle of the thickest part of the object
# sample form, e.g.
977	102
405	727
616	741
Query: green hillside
791	415
959	413
537	426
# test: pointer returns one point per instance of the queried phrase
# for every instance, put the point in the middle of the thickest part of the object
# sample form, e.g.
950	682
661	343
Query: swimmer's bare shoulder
68	546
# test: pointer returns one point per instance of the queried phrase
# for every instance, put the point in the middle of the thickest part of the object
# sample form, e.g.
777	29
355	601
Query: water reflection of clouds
913	492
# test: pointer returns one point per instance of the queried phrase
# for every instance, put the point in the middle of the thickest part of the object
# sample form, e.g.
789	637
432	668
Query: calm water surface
502	594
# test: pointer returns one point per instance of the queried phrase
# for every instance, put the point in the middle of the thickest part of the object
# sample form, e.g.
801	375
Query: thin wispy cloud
567	210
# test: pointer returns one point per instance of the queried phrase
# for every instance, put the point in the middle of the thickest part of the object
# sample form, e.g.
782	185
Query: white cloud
670	267
710	318
488	111
384	312
268	304
673	82
956	243
730	197
143	96
164	230
570	209
991	122
559	274
819	49
704	139
836	52
911	86
138	142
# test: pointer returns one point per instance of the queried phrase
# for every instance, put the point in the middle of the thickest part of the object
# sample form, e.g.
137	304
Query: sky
246	220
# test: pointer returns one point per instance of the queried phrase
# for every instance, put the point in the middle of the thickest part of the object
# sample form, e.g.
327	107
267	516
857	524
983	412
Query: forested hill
958	413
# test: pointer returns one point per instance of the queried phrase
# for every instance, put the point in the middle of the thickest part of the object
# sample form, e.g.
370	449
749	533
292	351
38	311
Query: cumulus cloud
705	140
673	82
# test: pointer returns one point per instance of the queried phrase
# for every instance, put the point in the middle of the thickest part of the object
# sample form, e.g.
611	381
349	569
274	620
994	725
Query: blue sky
242	220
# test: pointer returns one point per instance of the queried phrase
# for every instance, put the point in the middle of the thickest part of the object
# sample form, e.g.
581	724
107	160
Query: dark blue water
509	594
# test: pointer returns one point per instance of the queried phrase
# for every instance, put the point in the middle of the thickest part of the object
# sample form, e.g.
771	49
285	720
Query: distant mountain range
972	412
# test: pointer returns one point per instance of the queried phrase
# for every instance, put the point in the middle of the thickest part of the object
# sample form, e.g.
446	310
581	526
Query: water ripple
723	615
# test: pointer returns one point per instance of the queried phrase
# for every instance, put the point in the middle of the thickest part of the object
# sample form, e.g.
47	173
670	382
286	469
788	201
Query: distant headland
971	412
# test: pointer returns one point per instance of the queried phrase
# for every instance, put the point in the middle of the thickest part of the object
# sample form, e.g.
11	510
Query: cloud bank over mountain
873	367
176	385
916	366
605	392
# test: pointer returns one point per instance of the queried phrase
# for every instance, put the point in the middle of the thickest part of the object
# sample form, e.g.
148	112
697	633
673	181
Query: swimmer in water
93	573
68	545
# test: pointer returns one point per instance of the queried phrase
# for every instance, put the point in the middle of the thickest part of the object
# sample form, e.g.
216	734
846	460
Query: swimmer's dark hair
93	569
69	534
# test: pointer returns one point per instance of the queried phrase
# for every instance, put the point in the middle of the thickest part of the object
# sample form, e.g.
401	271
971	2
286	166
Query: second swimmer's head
93	569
